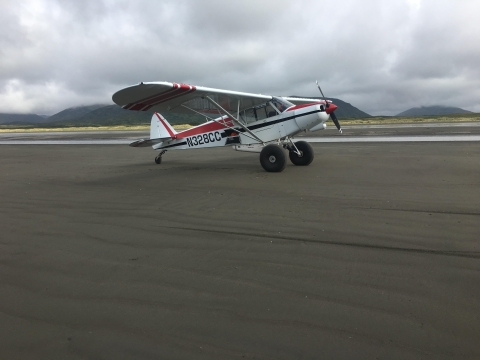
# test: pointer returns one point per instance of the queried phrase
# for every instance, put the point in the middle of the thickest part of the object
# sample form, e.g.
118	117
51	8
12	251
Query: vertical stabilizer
160	128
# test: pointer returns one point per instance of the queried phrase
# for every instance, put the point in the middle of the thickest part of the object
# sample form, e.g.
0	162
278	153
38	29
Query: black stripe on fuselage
259	126
173	145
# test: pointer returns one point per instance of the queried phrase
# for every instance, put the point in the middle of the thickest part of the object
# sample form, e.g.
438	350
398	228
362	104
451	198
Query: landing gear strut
158	158
306	153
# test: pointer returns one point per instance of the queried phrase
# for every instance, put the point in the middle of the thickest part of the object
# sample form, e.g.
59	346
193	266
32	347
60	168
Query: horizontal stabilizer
147	142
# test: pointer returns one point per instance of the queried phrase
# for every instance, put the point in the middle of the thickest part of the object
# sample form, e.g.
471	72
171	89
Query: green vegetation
467	117
373	120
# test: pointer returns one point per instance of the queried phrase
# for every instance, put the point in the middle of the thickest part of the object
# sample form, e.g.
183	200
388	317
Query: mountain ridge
73	112
434	110
344	111
8	118
110	115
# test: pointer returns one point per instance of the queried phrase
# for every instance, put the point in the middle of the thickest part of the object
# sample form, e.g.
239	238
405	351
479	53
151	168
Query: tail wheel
272	158
158	160
307	154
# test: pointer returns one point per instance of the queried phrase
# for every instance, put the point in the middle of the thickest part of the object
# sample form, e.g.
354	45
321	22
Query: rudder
160	128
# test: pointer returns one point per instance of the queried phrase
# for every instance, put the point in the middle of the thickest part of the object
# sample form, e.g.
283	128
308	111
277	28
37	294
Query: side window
270	111
248	116
257	113
261	114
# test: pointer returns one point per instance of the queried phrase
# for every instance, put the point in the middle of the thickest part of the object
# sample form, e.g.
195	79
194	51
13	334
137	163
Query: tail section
160	128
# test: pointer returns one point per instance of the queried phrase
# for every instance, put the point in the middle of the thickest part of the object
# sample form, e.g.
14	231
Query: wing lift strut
235	120
218	122
249	134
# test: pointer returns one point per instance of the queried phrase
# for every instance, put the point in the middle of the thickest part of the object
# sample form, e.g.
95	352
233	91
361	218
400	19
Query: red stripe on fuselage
207	127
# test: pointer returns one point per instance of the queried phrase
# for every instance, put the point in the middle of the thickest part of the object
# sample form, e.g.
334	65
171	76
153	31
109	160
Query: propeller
332	113
335	121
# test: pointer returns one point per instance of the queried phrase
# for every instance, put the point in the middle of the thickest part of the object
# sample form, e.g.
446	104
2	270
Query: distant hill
73	113
115	115
433	111
20	119
110	115
345	110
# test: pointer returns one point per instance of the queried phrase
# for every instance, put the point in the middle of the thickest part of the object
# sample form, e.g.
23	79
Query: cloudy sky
382	56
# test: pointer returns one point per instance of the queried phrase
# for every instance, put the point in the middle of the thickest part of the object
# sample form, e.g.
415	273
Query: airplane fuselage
224	132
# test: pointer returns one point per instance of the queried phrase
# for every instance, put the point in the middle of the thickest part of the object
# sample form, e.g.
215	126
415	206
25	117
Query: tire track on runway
465	254
424	211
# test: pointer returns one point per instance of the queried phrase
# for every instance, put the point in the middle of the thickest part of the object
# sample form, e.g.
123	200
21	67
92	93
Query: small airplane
248	122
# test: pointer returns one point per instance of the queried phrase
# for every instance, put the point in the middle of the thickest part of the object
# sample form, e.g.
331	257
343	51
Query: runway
425	132
372	251
352	133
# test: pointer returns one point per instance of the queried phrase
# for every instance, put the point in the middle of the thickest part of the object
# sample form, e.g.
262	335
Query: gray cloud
383	57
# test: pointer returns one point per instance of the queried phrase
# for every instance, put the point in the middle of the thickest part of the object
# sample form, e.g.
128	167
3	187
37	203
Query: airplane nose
331	108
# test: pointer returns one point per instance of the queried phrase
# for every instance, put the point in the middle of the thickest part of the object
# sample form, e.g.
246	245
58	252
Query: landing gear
306	154
158	158
272	158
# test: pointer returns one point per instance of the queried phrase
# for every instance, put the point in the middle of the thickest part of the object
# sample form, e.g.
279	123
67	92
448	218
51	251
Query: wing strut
218	122
233	118
198	112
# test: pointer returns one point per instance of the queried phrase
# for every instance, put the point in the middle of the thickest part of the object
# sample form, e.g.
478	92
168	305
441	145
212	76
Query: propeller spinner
330	108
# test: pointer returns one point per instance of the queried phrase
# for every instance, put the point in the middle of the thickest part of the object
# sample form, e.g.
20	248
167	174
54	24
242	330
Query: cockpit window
281	104
264	111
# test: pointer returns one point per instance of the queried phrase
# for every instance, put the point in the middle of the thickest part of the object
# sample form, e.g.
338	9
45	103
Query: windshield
281	104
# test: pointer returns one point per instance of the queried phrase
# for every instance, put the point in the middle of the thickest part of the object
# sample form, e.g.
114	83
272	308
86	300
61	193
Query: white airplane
247	122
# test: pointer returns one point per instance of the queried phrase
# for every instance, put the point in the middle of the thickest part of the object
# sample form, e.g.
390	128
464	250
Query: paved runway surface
372	251
400	130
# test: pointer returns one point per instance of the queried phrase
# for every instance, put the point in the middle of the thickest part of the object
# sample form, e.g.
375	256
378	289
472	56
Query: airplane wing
180	98
301	101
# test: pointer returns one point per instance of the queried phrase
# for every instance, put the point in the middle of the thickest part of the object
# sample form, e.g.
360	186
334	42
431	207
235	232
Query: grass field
411	119
87	128
374	120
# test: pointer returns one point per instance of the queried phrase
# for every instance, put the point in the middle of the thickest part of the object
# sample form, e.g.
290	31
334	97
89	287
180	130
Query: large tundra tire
307	154
272	158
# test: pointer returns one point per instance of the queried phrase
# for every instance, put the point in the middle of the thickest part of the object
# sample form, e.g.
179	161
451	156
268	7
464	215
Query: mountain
73	113
345	110
115	115
110	115
433	111
20	119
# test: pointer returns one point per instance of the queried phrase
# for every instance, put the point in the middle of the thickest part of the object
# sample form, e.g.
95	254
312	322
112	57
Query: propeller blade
335	121
321	92
331	110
